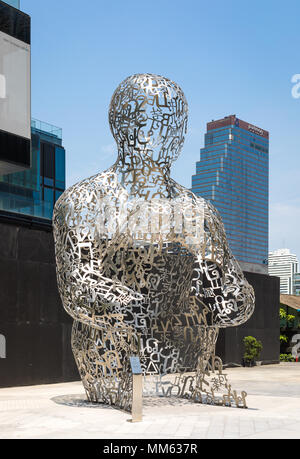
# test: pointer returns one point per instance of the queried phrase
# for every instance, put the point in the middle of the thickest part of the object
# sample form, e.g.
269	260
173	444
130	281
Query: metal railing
46	127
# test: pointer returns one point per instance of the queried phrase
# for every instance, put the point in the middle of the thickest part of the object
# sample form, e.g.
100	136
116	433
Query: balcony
46	128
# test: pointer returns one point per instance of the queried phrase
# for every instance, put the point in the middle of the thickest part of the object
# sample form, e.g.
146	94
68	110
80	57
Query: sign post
137	389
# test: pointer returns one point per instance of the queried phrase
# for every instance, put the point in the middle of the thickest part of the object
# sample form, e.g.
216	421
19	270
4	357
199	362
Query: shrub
290	318
282	313
286	358
253	348
283	339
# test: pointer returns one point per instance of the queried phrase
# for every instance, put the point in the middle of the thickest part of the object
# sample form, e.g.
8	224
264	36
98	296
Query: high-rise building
296	284
15	90
32	158
34	192
284	264
233	173
14	3
32	176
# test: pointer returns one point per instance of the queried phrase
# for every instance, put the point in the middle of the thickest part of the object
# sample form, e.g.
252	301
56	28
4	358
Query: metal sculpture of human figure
139	255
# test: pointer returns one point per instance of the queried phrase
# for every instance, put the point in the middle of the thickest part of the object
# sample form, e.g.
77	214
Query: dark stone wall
263	325
32	319
38	331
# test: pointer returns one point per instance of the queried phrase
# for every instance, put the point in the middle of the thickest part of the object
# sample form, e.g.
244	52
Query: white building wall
283	264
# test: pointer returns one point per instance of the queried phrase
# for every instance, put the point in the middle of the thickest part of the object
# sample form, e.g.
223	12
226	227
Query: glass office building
34	192
15	90
233	173
14	3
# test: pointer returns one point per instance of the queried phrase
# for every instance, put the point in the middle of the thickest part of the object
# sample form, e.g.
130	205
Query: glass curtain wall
34	192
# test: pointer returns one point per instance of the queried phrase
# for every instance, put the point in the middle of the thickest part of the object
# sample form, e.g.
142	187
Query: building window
47	160
60	168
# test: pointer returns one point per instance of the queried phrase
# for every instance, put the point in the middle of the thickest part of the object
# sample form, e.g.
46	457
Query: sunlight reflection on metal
143	265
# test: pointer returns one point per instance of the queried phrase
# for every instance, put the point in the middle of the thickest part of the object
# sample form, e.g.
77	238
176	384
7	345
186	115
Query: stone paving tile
275	434
184	429
293	427
273	412
201	425
214	436
198	436
126	428
156	428
170	428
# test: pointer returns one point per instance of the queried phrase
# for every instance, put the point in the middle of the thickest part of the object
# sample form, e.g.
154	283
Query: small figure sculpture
143	264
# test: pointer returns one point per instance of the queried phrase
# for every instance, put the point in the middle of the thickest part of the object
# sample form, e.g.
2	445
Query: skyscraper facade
32	177
15	90
285	265
33	192
32	158
296	284
233	173
14	3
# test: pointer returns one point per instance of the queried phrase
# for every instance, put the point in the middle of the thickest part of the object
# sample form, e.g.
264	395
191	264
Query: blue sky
229	57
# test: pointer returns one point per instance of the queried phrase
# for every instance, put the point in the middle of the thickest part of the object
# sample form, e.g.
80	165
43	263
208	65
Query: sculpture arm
88	295
225	291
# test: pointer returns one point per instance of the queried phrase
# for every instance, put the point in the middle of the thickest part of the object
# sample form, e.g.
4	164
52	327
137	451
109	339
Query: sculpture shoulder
182	193
86	193
213	224
101	183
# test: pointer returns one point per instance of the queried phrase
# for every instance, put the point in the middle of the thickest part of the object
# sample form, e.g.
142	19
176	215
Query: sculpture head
148	118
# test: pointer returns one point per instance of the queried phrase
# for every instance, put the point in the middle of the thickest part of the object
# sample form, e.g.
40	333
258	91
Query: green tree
284	315
253	348
283	339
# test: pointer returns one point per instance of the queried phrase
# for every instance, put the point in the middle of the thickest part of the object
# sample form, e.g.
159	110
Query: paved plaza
59	411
